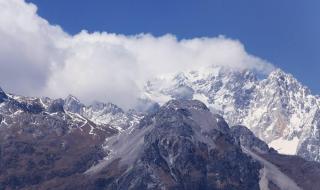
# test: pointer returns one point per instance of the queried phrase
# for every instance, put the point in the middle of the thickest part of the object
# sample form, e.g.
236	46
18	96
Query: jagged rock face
247	139
310	148
56	106
72	104
184	146
277	108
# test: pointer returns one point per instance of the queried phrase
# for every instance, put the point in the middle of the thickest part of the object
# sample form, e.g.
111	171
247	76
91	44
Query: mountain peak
71	97
72	104
286	82
279	74
186	104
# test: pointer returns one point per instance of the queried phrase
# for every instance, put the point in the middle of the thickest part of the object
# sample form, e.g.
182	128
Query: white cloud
37	58
27	47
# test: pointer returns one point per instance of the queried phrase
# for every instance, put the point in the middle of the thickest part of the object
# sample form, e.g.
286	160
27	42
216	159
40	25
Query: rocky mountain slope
40	142
276	107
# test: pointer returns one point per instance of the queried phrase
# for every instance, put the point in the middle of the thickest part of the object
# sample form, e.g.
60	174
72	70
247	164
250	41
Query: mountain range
214	128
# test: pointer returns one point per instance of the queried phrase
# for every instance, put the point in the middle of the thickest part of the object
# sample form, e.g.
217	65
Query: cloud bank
39	59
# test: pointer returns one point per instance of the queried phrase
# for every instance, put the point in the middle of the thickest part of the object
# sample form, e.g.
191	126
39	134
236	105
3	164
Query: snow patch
284	146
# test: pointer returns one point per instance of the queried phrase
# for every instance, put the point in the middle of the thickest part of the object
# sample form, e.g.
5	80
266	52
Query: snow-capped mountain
276	107
64	144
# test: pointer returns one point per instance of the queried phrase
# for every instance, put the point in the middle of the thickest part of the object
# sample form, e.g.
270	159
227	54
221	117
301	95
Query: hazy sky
284	32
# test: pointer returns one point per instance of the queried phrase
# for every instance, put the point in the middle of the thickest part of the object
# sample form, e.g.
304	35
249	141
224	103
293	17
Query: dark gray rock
56	106
247	139
305	174
3	96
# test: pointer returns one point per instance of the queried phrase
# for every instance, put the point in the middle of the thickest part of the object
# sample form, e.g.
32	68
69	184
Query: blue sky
286	32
